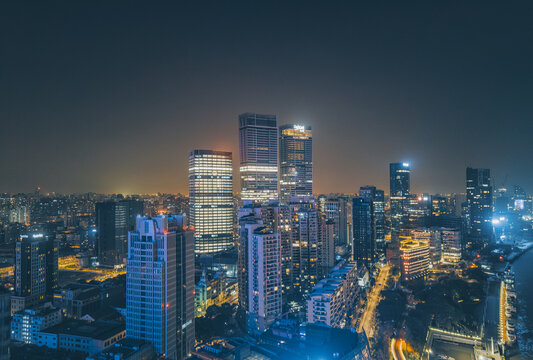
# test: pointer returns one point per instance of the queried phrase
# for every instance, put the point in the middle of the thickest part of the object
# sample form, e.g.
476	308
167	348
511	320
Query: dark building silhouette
36	269
364	240
113	221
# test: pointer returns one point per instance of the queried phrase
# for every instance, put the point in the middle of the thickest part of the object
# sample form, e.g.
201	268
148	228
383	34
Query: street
367	321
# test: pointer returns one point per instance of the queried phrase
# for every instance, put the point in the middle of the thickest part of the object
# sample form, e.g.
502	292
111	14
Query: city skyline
381	87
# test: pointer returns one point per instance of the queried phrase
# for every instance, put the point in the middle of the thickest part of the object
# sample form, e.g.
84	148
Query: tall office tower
306	237
258	143
5	323
36	269
415	258
295	161
364	241
113	221
151	302
264	278
399	195
451	245
378	202
479	206
278	219
184	285
211	200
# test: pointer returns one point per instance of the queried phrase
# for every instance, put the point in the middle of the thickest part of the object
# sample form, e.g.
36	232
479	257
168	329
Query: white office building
211	200
151	302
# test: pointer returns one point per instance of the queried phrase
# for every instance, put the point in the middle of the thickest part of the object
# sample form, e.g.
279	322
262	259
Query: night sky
110	96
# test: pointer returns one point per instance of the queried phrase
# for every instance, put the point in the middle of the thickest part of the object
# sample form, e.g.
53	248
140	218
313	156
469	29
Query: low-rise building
415	258
82	336
27	323
126	349
77	300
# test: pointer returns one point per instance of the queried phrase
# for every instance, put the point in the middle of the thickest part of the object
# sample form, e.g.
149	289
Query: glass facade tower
211	200
296	161
258	143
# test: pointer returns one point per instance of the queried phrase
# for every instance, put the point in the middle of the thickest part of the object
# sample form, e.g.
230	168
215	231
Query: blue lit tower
479	205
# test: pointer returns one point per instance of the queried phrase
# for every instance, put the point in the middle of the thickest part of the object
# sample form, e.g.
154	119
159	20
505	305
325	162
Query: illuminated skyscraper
479	205
258	143
211	200
151	303
399	195
295	161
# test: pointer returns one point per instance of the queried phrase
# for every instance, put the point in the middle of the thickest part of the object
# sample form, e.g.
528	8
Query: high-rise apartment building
295	161
364	241
113	221
258	144
36	269
264	278
211	200
278	219
306	226
151	294
479	206
248	223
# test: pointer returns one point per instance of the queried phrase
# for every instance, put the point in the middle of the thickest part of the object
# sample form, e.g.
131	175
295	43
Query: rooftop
100	330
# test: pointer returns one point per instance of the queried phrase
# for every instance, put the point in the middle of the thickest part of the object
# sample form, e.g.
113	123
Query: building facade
36	269
151	302
258	144
295	161
211	200
113	221
399	195
479	206
364	240
26	324
329	300
264	279
415	258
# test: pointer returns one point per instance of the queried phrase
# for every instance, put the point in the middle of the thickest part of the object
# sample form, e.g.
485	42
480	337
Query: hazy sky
110	96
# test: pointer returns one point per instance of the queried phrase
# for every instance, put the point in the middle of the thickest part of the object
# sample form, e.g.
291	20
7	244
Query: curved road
396	349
